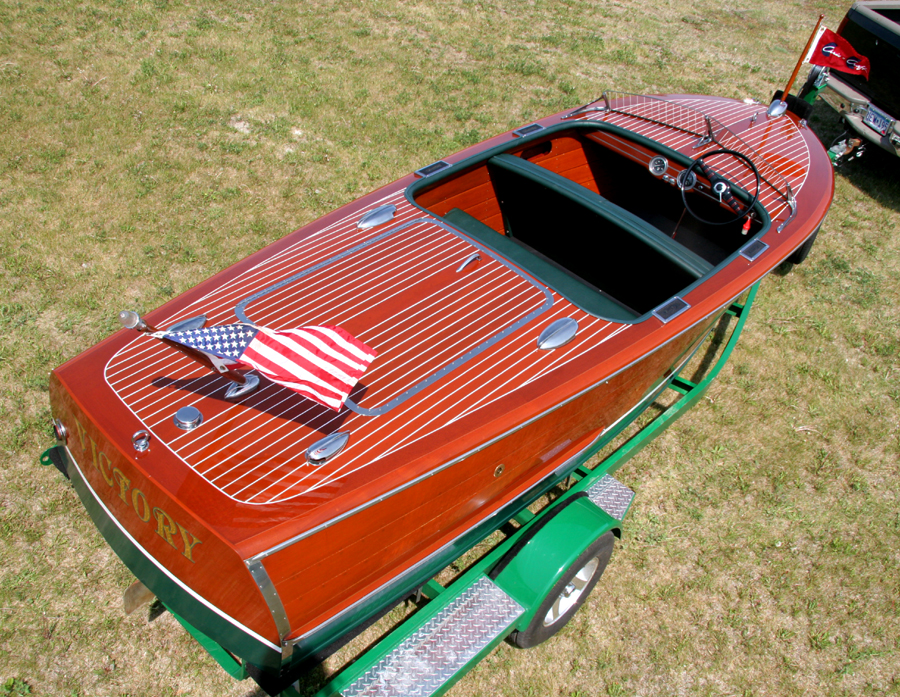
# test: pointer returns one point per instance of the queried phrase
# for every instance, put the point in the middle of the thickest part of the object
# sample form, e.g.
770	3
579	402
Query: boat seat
682	257
563	282
472	226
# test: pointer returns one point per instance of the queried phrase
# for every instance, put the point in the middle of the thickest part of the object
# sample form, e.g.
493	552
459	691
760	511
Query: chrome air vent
433	168
528	130
753	249
558	333
323	450
377	216
670	309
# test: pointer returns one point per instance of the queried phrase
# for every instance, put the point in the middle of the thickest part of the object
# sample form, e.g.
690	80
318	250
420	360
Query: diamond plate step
431	656
612	496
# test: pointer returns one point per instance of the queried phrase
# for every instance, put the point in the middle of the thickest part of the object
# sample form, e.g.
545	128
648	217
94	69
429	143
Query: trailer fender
537	561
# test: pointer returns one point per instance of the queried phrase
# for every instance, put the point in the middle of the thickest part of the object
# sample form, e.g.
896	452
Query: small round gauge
686	182
658	166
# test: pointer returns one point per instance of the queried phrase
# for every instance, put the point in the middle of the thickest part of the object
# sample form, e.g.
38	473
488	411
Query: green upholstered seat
569	286
681	256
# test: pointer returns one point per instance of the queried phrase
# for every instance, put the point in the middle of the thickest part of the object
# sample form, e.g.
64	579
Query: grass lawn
146	145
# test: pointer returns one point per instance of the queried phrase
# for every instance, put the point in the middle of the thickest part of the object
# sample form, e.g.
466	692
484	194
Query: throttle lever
704	170
721	187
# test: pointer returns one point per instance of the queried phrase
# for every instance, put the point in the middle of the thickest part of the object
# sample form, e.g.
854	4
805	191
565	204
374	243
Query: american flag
321	363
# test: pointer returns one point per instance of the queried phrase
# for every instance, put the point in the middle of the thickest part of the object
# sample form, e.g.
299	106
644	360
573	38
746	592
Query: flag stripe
298	353
321	363
322	346
273	363
294	353
347	342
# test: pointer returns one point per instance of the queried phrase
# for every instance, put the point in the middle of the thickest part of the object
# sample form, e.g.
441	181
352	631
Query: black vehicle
870	108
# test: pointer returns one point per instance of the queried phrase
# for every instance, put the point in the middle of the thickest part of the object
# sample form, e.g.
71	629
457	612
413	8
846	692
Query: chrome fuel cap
188	418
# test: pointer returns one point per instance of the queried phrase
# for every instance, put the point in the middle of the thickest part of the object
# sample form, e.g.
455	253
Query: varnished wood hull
462	417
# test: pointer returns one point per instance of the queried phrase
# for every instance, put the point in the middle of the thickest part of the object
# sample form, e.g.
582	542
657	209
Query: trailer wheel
810	83
800	254
567	595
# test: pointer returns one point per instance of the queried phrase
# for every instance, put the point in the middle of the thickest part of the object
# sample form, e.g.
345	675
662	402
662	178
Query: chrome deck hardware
188	418
527	130
60	431
249	386
776	109
470	260
189	324
141	441
558	333
132	320
433	168
377	216
670	309
753	249
323	450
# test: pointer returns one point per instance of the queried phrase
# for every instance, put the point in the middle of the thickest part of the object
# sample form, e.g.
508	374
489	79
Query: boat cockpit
616	223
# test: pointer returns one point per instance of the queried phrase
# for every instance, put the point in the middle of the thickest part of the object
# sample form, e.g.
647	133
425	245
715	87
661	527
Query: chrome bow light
132	320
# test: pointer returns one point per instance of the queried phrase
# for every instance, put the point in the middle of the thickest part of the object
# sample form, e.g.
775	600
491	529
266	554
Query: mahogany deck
252	451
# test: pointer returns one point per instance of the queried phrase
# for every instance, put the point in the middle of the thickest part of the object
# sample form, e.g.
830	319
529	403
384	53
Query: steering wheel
719	185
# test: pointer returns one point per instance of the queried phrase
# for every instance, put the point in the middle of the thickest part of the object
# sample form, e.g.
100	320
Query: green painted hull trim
184	602
229	663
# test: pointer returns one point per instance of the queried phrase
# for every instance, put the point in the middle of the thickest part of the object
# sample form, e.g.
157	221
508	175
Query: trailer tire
810	83
558	605
800	254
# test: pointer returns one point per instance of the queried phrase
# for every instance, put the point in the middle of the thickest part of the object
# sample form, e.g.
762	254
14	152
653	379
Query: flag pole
787	89
778	107
244	384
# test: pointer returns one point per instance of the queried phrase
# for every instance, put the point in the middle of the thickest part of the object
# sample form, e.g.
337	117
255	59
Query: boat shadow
271	399
308	682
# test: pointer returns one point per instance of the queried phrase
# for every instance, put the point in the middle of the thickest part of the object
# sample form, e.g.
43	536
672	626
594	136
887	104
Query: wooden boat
524	296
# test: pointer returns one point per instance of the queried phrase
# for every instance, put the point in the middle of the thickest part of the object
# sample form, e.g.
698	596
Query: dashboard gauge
658	166
686	183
